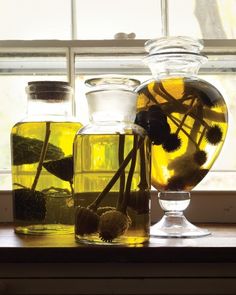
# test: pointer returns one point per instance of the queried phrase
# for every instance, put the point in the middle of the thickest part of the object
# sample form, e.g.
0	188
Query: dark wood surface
219	247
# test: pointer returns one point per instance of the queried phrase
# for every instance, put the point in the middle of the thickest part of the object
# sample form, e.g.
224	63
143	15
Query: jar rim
173	44
105	82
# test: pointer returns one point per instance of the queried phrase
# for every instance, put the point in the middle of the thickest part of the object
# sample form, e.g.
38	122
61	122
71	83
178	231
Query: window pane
14	75
212	19
105	18
33	19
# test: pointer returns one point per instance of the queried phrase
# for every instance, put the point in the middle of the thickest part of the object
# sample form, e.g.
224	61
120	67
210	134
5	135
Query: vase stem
174	224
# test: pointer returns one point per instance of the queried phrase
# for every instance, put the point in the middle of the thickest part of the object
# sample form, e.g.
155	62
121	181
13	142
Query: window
77	39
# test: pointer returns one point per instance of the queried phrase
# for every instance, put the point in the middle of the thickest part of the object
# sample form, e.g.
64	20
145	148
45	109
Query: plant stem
173	120
122	175
42	156
143	184
71	187
185	116
93	206
124	204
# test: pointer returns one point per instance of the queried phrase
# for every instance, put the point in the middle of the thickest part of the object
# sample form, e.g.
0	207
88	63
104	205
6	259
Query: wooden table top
220	246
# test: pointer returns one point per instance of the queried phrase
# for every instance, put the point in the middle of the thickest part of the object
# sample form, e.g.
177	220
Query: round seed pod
112	225
214	134
29	205
200	157
172	143
141	119
86	221
102	210
176	183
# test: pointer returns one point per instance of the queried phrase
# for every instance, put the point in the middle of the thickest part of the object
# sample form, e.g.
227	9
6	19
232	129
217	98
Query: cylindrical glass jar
42	163
112	167
186	119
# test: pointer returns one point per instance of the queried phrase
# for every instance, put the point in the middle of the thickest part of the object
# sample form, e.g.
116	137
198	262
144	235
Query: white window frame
206	206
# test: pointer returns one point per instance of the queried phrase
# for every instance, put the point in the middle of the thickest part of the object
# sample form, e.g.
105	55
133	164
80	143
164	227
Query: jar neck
113	105
52	108
174	64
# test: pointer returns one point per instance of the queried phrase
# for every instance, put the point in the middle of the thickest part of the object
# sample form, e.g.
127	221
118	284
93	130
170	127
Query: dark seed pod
214	134
139	201
29	205
141	119
172	143
112	225
176	183
86	221
102	210
200	157
196	176
158	131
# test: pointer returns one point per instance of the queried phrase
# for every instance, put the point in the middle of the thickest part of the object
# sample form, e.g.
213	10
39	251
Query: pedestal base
176	227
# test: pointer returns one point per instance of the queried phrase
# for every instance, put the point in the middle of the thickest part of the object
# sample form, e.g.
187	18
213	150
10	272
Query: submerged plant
113	222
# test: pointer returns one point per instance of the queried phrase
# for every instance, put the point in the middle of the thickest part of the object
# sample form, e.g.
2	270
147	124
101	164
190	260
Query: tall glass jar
186	119
42	163
112	167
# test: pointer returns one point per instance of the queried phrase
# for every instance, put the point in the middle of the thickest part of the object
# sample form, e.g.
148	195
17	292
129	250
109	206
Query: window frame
206	206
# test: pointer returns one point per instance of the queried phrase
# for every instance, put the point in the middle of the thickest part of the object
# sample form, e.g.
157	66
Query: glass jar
186	119
42	163
111	167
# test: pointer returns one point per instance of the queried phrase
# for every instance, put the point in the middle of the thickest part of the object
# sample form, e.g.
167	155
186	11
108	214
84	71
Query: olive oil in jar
112	168
42	163
115	199
187	125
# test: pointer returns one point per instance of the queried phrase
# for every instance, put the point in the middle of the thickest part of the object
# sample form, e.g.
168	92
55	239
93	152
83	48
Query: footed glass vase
186	120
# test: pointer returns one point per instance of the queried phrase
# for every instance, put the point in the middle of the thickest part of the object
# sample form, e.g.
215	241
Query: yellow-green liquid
96	161
191	107
44	205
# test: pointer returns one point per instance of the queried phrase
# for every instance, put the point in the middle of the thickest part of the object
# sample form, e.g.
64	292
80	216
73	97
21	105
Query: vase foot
176	227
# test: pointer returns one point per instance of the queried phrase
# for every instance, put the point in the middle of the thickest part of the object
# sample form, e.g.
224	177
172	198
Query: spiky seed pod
172	143
86	221
200	157
214	134
29	205
141	119
158	131
196	176
102	210
139	201
112	225
176	183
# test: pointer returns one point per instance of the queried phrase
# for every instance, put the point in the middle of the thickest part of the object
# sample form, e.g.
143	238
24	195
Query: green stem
42	156
93	206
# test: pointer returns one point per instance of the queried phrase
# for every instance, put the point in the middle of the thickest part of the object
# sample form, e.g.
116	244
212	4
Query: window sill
49	265
219	247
